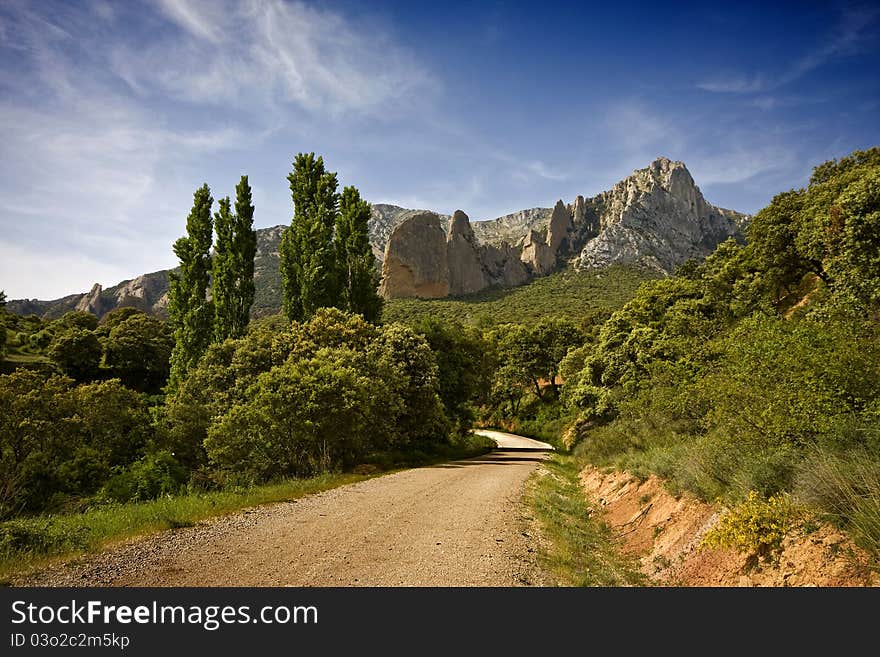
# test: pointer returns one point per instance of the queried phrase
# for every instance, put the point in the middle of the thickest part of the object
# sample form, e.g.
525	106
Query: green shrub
153	476
38	537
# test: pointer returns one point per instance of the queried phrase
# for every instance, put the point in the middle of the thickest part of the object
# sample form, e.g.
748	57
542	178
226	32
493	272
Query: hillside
572	294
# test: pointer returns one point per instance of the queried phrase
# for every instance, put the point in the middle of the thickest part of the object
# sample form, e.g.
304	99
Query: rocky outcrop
466	274
511	227
502	265
656	218
560	225
92	302
415	263
537	254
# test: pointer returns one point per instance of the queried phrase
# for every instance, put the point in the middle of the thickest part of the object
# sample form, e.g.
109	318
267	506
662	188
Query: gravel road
456	524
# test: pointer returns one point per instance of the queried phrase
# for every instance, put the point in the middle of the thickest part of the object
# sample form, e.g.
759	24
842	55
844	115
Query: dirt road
455	524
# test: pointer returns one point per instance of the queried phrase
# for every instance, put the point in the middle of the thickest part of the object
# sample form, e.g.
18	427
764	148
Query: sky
113	113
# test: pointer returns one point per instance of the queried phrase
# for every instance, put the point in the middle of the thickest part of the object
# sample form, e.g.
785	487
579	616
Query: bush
305	417
154	475
41	537
757	526
77	352
59	441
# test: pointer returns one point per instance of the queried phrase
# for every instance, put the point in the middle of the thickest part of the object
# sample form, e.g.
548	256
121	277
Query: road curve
512	441
455	524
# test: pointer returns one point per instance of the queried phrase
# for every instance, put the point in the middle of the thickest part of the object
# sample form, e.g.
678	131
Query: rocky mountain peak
460	226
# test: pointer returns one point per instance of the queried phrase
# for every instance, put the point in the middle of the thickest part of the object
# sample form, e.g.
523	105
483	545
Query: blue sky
112	113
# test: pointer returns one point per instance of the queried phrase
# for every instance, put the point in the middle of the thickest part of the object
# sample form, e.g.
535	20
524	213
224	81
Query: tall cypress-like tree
309	272
223	272
244	242
2	324
357	264
233	264
190	312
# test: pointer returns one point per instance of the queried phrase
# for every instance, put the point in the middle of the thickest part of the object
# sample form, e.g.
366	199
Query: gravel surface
455	524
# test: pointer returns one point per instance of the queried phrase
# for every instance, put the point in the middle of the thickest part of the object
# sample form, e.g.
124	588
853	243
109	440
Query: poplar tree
190	313
2	324
233	264
356	262
223	272
309	271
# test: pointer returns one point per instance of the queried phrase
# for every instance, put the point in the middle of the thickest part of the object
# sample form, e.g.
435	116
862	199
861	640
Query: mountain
656	218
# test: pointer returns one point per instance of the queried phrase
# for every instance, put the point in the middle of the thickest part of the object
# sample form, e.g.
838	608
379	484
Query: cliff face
415	263
656	218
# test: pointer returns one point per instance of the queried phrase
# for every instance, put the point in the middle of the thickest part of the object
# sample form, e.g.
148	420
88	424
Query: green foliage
191	314
154	475
77	351
115	317
75	319
232	288
584	297
790	382
138	351
357	264
415	381
304	417
309	276
310	397
463	368
756	370
845	486
2	324
756	526
59	441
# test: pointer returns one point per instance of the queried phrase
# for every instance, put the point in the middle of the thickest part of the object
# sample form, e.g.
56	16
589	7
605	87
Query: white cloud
270	52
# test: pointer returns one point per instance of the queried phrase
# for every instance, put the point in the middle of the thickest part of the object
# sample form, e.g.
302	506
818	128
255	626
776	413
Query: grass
577	295
579	548
26	544
845	489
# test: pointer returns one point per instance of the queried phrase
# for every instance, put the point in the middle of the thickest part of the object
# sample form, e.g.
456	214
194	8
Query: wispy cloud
106	129
736	84
273	52
855	29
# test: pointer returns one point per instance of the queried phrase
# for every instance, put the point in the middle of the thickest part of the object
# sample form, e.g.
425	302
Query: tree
75	319
309	274
2	324
77	352
115	317
414	380
189	310
463	374
357	264
138	351
233	264
59	440
304	416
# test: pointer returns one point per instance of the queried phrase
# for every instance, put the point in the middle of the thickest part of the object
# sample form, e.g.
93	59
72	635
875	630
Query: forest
752	377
